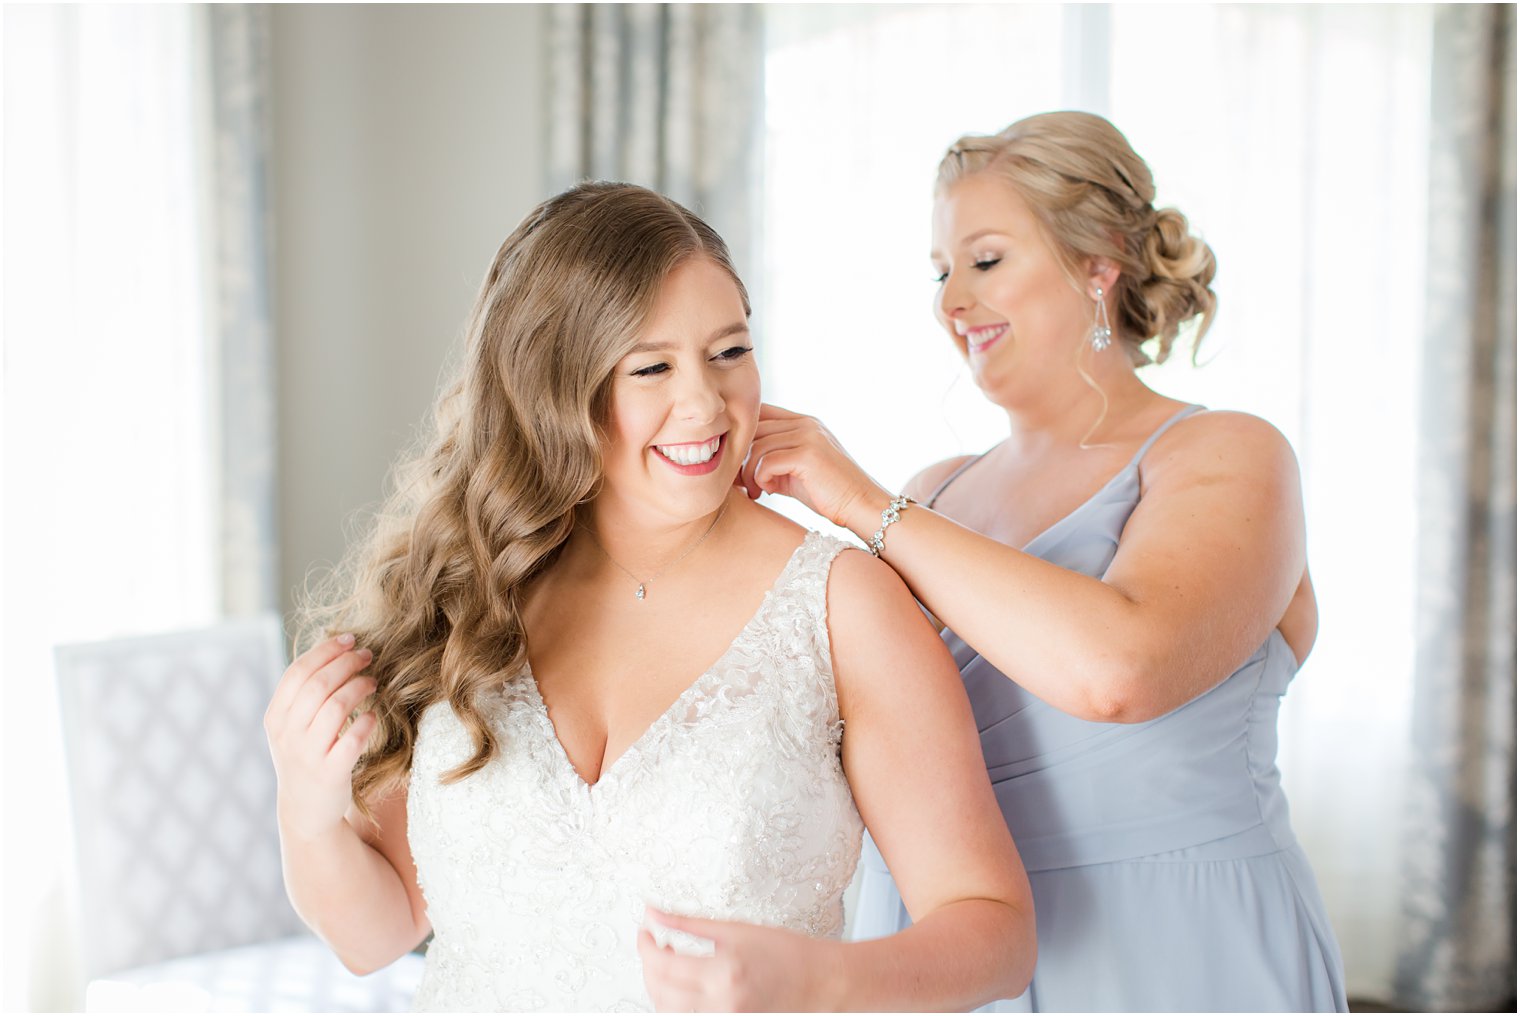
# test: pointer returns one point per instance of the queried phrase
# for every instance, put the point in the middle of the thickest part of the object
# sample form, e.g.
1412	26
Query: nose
954	297
698	397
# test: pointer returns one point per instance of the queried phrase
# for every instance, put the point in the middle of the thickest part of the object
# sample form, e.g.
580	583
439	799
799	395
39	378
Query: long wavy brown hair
488	498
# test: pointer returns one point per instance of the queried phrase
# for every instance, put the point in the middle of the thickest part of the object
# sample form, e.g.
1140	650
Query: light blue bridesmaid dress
1164	870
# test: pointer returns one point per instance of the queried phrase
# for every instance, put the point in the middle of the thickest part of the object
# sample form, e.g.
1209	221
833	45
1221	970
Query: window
107	468
1294	140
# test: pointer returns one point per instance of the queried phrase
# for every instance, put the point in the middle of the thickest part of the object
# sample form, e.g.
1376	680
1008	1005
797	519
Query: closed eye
652	370
982	264
733	353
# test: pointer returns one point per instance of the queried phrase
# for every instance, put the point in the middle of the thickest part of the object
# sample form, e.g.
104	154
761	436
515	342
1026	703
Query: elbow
358	958
1101	705
1122	690
1116	707
1017	969
1021	971
363	962
363	966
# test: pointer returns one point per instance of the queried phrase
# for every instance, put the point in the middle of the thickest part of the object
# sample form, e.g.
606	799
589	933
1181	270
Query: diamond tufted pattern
173	797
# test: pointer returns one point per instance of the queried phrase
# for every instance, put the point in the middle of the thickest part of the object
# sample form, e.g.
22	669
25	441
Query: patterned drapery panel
668	96
1458	948
237	153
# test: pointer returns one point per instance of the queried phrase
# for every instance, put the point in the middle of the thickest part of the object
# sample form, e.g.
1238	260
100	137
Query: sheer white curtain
109	480
1294	138
1303	161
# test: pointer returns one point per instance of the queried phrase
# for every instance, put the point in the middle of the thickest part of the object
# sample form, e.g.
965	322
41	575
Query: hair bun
1095	196
1180	270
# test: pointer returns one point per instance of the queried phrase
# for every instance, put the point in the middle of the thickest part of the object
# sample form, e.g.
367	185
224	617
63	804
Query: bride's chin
701	509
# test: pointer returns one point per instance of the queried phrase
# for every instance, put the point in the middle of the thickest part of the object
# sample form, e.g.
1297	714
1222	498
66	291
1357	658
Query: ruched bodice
1085	793
732	805
1083	799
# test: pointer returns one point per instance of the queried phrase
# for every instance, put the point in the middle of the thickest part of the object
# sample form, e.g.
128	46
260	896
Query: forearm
1073	641
348	893
959	956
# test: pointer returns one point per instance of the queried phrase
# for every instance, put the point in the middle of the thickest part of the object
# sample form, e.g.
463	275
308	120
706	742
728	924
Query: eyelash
985	264
729	355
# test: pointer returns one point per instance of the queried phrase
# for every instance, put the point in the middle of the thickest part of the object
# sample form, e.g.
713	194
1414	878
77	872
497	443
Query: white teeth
979	337
690	455
980	333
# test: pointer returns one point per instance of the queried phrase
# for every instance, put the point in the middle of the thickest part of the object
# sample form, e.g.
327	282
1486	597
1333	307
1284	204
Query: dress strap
952	477
1181	414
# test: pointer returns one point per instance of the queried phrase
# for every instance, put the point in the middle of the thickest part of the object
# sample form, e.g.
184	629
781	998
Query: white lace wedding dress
732	805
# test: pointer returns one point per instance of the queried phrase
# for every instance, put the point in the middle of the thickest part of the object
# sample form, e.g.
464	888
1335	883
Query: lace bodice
732	805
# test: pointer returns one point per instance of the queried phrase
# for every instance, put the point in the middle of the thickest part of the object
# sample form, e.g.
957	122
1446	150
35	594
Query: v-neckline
1078	509
542	706
1024	548
1132	465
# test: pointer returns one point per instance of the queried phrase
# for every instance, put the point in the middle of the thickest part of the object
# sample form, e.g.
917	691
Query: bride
618	727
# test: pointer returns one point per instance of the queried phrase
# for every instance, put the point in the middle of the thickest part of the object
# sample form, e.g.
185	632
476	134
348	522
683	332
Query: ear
1101	272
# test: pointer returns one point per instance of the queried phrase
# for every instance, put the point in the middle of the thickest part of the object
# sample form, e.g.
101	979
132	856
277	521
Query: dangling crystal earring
1102	335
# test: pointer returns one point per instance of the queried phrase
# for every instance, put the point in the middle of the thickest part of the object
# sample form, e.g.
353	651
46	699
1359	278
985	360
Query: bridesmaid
1123	584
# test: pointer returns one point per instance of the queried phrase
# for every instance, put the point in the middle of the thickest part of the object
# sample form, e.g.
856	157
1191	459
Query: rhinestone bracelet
892	513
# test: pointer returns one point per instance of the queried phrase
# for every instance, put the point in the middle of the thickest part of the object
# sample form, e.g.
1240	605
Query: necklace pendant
639	594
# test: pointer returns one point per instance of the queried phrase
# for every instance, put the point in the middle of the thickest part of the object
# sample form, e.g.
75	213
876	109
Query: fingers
345	753
704	927
776	469
769	435
323	683
803	435
774	412
669	966
767	428
308	663
329	720
747	476
761	463
313	755
675	982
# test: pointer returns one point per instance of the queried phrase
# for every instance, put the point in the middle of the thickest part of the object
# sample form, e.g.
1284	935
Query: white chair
182	903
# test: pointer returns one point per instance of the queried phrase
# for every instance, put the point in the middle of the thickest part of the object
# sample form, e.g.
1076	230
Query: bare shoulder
1219	443
871	613
928	479
859	582
887	656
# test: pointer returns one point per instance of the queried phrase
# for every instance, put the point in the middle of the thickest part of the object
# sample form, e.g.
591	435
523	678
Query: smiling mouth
978	339
693	457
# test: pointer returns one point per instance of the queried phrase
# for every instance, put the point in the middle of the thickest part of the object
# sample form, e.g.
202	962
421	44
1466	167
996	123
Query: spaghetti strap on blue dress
1165	873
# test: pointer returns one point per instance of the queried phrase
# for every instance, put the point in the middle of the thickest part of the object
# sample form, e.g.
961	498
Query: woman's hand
752	969
795	455
351	879
313	763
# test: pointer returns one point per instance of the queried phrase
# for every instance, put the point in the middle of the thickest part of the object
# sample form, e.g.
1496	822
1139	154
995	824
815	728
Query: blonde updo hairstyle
434	587
1093	195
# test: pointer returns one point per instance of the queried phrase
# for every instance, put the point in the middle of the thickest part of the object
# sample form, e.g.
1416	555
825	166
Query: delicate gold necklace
644	583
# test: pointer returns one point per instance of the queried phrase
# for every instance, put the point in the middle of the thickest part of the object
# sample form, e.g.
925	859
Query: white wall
407	142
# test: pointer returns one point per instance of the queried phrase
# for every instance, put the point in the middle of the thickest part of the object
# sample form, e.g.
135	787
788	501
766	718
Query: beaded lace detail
732	805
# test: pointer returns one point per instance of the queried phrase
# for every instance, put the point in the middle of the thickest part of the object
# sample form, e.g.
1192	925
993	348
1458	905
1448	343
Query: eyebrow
968	240
721	333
